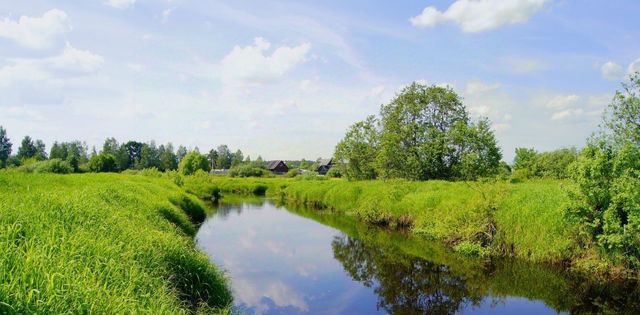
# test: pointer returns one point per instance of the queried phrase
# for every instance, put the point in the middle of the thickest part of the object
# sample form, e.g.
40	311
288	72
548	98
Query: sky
284	79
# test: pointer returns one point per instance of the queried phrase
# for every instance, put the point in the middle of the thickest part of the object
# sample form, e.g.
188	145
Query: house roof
273	164
325	162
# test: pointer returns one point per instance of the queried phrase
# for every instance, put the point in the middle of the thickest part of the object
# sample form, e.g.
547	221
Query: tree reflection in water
404	284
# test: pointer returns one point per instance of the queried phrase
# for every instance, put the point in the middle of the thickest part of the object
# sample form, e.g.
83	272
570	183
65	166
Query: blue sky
284	79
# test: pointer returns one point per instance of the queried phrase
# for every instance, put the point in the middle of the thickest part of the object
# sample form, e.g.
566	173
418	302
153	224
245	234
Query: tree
237	158
110	146
192	162
27	148
181	153
525	161
606	203
480	154
213	158
41	153
416	139
359	149
168	159
225	157
5	147
103	162
622	118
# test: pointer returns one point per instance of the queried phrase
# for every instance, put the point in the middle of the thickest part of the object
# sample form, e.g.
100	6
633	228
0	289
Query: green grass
525	220
102	243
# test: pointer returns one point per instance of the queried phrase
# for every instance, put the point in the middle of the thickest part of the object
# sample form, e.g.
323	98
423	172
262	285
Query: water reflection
286	260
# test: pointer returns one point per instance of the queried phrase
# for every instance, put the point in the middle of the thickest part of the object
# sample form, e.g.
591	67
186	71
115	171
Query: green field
525	220
103	243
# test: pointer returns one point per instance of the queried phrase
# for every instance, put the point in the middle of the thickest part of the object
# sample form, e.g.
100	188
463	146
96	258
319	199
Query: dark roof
325	162
273	164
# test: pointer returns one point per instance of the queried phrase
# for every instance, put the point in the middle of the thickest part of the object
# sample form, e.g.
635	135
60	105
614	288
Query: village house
277	167
324	166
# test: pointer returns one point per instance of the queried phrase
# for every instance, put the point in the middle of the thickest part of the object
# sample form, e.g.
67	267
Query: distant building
219	172
277	167
324	166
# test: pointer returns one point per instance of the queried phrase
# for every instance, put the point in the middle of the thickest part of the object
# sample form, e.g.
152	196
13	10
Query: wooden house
324	166
277	167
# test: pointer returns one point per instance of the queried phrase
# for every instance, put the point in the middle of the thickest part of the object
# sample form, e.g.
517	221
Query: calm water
299	261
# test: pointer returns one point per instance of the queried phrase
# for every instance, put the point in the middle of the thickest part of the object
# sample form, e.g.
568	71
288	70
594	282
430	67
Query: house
277	167
324	165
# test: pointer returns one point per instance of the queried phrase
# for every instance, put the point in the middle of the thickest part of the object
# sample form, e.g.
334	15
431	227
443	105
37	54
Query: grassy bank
524	220
102	243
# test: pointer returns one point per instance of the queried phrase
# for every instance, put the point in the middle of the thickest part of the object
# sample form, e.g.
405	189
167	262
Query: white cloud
35	32
562	101
121	4
611	71
71	62
634	66
480	15
250	64
479	87
568	113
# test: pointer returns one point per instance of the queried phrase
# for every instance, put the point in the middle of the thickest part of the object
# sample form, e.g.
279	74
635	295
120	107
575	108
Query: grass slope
102	243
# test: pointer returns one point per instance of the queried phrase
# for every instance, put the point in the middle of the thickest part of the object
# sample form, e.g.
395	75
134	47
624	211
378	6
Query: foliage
103	162
528	163
292	173
5	147
30	149
607	173
101	243
74	152
359	149
248	170
423	133
192	162
334	172
58	166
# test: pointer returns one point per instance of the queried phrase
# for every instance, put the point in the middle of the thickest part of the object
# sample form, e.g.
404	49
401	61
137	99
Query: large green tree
5	147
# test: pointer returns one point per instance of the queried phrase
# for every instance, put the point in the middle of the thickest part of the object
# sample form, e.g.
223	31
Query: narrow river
283	260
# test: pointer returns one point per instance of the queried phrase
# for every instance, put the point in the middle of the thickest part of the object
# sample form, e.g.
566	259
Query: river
287	260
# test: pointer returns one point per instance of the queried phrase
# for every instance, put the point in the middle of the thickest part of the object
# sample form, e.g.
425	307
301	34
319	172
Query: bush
102	162
57	166
334	172
293	173
192	162
248	170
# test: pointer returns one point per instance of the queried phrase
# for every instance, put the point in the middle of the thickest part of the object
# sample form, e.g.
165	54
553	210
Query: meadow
103	243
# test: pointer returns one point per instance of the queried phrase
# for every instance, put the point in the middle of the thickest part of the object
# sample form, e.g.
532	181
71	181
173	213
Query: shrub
334	172
248	170
192	162
293	173
102	162
470	249
49	166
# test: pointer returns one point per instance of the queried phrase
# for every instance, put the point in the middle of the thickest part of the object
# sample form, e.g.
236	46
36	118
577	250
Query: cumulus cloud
474	16
71	62
35	32
611	71
121	4
479	87
252	64
567	113
562	101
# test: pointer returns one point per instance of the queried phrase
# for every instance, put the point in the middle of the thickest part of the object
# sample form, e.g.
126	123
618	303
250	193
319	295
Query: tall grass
102	243
500	218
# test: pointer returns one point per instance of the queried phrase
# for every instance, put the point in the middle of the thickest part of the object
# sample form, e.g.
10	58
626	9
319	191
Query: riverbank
103	243
493	219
